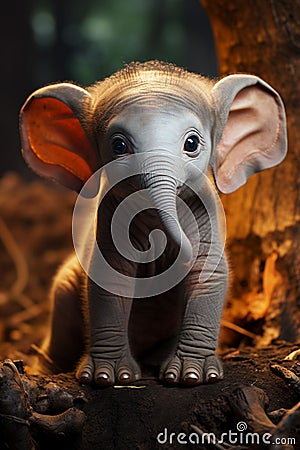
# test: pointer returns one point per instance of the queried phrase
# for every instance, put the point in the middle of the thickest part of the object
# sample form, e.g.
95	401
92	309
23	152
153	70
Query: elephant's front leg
109	359
195	360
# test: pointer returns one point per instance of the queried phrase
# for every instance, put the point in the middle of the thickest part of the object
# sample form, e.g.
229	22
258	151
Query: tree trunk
263	217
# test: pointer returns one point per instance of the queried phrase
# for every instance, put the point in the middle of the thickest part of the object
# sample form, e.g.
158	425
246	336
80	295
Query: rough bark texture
263	217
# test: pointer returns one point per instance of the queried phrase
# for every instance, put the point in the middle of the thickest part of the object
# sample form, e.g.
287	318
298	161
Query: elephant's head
236	125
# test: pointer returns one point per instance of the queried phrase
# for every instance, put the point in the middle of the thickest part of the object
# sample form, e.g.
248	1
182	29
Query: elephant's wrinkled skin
180	123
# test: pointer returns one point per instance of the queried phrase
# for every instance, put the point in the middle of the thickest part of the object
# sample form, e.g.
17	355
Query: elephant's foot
191	371
106	371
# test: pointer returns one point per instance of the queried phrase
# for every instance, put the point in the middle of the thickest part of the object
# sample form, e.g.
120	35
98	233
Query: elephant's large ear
54	143
251	133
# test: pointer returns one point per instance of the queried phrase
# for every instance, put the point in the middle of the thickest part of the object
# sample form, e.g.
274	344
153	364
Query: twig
68	422
33	311
290	420
12	248
294	355
287	376
277	414
130	387
238	329
45	357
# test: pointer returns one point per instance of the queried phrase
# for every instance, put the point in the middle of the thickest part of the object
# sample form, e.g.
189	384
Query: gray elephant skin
174	126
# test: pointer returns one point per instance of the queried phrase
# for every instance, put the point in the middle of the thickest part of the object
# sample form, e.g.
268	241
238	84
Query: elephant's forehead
151	92
147	115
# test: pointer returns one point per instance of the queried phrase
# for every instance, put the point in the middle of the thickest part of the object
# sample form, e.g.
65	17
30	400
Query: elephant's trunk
162	186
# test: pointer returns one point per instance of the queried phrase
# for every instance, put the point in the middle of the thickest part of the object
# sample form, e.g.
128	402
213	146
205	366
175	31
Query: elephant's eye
119	146
193	144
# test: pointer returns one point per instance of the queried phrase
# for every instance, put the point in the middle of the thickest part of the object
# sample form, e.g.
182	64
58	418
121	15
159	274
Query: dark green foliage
88	41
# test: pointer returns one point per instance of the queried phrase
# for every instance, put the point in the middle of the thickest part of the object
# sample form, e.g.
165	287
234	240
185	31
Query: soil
35	237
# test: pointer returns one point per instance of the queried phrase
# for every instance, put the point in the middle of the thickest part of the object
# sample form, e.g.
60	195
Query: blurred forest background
45	41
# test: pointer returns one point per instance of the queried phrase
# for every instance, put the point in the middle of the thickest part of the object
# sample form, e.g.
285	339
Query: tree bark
263	217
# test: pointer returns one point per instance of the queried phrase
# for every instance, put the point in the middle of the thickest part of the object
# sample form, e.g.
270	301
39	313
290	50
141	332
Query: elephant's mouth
179	188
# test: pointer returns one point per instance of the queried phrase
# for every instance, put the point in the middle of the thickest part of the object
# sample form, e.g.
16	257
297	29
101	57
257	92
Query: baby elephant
149	279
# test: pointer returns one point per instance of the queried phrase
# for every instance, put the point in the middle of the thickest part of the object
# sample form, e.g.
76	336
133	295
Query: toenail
211	377
102	376
170	376
84	377
191	377
124	376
